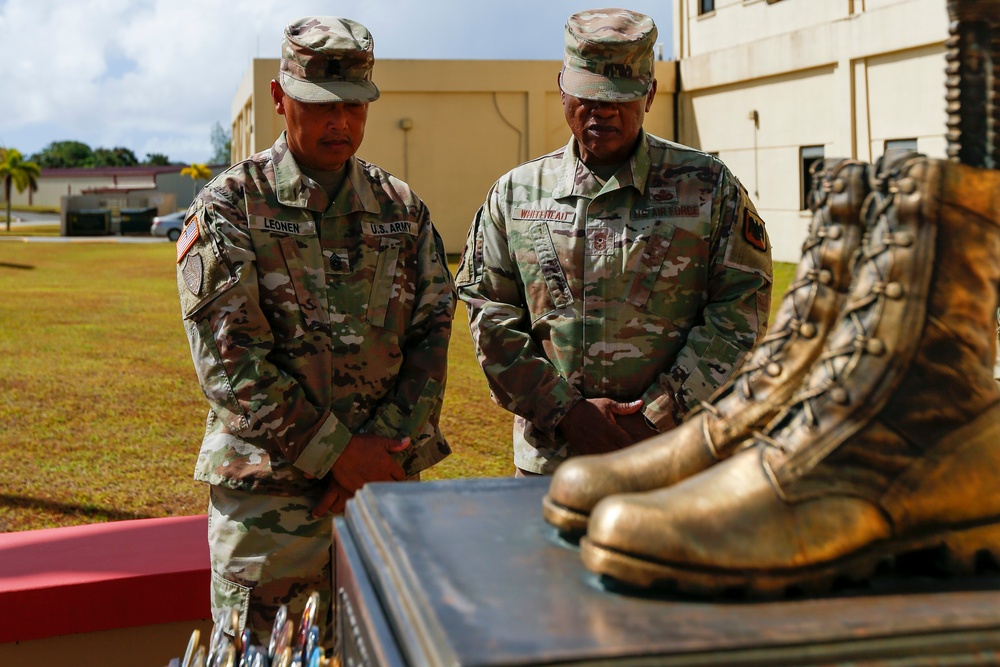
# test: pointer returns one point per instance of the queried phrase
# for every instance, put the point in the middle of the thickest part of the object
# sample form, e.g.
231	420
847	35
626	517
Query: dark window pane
901	144
808	156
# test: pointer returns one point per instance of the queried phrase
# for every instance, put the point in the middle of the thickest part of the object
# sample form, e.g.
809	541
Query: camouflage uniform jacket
654	285
311	320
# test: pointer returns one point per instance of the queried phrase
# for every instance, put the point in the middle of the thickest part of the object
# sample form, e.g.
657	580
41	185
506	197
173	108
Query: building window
706	6
901	144
808	156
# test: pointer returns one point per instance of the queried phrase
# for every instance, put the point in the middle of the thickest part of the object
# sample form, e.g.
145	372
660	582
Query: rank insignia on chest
337	261
600	241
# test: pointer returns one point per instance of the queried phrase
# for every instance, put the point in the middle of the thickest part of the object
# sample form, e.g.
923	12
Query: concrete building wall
760	80
54	184
448	128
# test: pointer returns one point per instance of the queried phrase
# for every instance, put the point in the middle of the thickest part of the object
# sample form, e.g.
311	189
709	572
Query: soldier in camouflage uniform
616	282
318	304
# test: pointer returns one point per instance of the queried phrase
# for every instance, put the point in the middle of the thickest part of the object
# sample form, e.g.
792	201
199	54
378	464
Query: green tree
113	157
63	154
157	159
221	145
198	172
17	172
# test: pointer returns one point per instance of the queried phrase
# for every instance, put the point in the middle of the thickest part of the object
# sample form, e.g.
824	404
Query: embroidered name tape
281	226
542	214
397	227
674	211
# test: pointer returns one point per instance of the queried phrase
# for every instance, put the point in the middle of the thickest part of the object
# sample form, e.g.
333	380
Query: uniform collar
297	190
575	179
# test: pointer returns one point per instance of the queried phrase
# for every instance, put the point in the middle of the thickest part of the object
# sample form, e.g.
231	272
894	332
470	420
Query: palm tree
198	172
16	171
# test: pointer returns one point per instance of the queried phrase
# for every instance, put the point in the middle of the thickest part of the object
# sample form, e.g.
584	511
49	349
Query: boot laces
840	361
796	323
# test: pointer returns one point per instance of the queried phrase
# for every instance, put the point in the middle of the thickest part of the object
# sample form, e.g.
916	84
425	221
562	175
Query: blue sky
156	75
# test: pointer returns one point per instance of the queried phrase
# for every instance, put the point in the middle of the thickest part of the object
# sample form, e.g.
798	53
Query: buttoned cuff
325	448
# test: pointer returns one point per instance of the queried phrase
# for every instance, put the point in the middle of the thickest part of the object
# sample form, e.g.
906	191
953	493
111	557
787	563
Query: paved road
31	218
84	239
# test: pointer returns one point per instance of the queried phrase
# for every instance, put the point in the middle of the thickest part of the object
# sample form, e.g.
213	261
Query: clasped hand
600	425
366	458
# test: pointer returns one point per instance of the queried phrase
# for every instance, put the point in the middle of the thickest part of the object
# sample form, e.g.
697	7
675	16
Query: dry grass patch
101	416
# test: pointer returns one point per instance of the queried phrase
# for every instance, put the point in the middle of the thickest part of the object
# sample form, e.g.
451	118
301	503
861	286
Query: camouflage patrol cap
327	59
609	55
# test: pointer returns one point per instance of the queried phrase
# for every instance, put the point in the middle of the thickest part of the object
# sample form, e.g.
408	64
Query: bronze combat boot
892	443
763	384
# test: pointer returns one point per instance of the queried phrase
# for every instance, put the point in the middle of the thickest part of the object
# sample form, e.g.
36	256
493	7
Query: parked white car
169	225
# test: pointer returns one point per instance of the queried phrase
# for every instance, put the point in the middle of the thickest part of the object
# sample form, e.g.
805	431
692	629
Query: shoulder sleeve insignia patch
753	230
193	272
187	239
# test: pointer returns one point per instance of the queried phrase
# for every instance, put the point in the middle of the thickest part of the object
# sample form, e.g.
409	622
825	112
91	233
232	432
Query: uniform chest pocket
670	277
545	284
290	289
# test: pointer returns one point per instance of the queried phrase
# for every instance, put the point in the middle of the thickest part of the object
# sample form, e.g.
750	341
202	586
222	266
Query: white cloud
155	75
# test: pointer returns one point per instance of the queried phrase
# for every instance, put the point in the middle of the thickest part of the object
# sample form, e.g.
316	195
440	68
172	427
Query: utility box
137	220
88	222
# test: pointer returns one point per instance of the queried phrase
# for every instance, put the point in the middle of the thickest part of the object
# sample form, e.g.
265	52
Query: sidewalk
44	220
85	239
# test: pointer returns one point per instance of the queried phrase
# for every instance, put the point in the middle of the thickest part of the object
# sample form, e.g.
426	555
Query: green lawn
101	416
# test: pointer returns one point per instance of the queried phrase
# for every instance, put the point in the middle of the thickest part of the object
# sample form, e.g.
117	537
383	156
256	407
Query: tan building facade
770	85
449	128
165	186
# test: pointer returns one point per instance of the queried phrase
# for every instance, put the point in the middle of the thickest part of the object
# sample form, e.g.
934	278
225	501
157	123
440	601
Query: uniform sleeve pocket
215	381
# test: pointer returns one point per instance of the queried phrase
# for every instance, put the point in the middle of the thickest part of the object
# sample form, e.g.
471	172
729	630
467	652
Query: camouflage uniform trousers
268	551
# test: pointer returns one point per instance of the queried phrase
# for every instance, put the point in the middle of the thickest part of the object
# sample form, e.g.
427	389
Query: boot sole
966	551
571	522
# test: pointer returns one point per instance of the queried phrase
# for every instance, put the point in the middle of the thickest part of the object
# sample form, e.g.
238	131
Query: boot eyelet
875	347
825	277
773	369
833	232
902	239
893	290
839	395
807	330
